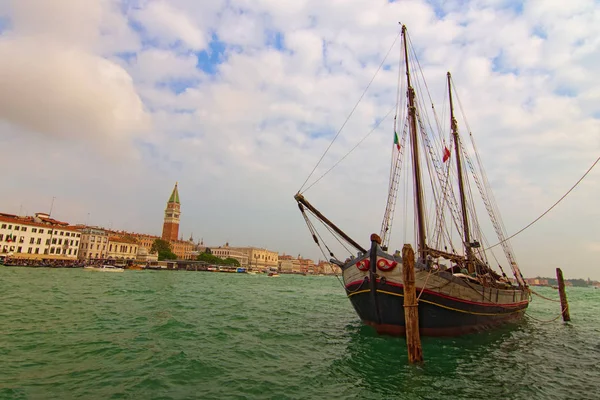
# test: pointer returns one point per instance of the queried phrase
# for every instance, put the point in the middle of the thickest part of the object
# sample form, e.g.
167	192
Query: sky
105	104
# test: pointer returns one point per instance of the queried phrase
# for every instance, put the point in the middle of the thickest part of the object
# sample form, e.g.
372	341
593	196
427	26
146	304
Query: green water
67	334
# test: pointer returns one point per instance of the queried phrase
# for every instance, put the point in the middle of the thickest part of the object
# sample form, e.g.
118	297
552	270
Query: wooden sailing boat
457	293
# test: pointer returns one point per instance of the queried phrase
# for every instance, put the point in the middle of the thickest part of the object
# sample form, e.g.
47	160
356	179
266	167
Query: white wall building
38	237
93	244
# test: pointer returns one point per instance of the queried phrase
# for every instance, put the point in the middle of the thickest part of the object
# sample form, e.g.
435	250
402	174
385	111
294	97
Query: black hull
439	315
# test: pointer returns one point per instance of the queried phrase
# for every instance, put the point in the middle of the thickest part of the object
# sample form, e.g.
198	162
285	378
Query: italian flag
396	141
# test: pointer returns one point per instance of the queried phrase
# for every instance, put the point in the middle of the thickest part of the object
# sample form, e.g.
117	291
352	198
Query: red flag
446	154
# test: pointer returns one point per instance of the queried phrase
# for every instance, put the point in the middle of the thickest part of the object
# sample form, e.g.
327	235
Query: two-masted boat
458	291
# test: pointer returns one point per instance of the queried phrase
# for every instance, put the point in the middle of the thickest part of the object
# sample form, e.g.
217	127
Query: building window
75	252
78	235
3	226
16	228
32	241
110	248
45	251
61	233
47	242
29	250
21	239
54	241
69	251
51	250
39	241
19	249
10	227
24	229
76	243
1	237
34	230
59	241
37	250
41	231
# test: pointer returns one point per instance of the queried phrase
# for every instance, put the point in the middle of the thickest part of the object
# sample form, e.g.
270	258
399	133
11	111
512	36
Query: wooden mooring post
564	304
411	306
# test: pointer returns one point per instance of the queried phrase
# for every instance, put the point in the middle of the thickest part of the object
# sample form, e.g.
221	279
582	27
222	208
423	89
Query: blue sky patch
178	86
127	56
315	131
275	40
210	59
4	24
500	66
540	32
438	8
564	91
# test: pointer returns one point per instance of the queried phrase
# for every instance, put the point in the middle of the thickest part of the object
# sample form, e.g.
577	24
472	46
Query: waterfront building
38	236
144	256
307	265
144	241
170	230
122	248
93	243
327	268
183	249
227	252
258	258
286	264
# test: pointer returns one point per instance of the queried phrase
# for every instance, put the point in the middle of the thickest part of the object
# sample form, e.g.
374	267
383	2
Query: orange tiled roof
51	223
122	239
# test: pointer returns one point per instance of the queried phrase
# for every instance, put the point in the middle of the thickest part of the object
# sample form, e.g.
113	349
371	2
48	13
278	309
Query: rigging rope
314	232
351	150
543	297
548	321
553	205
351	112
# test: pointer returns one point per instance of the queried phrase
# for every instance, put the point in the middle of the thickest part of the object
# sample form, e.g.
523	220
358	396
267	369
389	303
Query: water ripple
169	335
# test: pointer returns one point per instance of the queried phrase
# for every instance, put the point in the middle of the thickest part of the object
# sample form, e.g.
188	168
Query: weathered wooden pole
411	307
564	304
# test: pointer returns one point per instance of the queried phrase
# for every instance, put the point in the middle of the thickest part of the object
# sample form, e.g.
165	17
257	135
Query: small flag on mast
396	141
446	154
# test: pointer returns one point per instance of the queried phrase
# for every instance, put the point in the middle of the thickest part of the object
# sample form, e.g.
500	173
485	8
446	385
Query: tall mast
461	185
421	245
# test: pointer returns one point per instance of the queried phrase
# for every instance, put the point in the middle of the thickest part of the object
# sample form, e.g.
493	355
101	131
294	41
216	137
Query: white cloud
52	82
170	25
155	65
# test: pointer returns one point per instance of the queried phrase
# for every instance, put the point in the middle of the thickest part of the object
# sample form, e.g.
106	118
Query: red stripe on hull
399	285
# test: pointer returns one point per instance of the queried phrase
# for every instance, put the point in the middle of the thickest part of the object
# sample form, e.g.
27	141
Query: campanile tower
171	225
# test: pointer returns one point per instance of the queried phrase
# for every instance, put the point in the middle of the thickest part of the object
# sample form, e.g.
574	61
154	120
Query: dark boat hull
449	304
438	315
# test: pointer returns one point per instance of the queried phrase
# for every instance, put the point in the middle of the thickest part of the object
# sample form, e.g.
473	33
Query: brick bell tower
171	224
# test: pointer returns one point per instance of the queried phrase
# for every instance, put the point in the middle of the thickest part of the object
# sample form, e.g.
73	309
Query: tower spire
174	195
172	212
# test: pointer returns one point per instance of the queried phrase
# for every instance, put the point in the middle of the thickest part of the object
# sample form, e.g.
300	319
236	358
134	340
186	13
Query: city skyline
237	100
